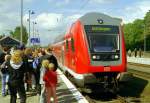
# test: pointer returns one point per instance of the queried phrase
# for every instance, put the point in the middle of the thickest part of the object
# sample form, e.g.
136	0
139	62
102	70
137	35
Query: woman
16	70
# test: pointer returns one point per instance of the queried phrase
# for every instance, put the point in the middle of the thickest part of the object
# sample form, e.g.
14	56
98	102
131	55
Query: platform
66	93
139	60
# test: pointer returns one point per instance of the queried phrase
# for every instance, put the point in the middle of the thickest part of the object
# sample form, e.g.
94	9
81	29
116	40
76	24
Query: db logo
107	69
100	21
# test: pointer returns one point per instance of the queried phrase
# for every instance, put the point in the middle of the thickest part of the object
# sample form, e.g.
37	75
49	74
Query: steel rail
139	72
122	99
139	64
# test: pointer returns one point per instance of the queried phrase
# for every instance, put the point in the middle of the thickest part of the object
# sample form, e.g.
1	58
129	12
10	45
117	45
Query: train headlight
116	56
94	56
112	57
97	57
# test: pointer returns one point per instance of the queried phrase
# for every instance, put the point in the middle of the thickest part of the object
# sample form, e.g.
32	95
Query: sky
53	17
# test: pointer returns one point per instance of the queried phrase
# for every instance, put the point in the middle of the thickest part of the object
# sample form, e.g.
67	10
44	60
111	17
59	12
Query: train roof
93	18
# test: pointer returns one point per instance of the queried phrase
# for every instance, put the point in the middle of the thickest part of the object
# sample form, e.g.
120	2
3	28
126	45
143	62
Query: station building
9	42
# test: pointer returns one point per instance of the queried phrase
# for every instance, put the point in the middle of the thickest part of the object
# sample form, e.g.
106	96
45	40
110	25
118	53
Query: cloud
59	3
50	25
102	1
48	20
52	21
135	11
10	14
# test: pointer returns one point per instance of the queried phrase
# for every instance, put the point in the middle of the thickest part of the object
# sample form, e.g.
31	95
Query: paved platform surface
66	93
139	60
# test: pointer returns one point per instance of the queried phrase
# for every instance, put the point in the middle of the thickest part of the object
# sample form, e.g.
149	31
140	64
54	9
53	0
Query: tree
138	29
16	34
147	29
1	36
135	31
134	34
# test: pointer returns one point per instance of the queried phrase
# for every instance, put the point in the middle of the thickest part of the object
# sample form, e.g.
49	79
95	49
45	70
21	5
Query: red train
93	50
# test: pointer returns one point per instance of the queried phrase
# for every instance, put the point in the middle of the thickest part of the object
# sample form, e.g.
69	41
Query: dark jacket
2	56
16	72
28	60
4	68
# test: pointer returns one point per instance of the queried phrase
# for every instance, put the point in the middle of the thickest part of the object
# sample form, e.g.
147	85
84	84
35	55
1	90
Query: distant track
122	99
132	69
137	64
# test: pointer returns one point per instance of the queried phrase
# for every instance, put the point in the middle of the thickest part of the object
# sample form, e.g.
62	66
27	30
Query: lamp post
21	28
33	29
38	36
30	13
144	42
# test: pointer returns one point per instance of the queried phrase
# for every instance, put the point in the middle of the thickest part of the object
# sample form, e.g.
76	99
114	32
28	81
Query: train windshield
103	38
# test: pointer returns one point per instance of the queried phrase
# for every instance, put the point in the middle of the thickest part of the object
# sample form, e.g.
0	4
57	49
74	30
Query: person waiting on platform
16	70
135	52
4	71
50	78
45	64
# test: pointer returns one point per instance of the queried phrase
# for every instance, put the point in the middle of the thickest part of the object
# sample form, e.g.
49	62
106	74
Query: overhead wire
84	5
81	8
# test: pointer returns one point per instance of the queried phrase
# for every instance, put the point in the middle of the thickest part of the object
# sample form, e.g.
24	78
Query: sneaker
7	92
52	99
3	95
18	96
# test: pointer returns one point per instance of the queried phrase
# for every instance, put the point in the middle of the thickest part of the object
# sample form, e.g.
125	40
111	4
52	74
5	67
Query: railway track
118	99
137	64
139	69
122	99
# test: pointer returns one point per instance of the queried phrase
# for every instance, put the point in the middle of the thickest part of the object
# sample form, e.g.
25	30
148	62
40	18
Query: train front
106	49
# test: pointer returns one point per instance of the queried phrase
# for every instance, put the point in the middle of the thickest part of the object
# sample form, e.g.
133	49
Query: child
50	79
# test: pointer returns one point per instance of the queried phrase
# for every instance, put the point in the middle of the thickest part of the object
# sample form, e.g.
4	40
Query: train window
103	43
67	45
102	38
72	44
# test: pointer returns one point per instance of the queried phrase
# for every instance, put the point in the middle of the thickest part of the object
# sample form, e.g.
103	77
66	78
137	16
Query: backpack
4	68
35	63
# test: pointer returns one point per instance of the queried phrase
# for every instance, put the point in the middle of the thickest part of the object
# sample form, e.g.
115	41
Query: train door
62	55
72	54
66	62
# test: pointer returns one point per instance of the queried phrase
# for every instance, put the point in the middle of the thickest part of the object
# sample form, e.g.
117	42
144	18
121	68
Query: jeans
42	96
4	83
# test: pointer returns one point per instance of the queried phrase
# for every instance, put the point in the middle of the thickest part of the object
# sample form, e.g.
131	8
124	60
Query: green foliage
147	29
16	34
135	32
1	36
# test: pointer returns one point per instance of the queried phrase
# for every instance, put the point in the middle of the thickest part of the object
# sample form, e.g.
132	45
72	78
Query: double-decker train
93	50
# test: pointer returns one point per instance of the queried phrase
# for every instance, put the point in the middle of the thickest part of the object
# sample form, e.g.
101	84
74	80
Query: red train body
93	48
